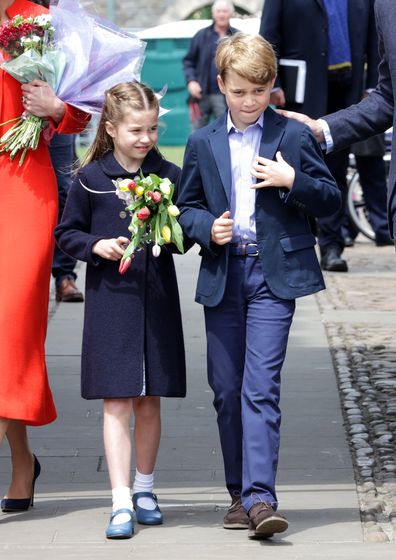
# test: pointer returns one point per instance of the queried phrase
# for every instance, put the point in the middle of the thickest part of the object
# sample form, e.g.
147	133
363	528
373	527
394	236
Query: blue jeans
62	157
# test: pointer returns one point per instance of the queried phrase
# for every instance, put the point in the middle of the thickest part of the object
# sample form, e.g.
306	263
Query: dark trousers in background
372	174
210	105
330	227
62	157
247	336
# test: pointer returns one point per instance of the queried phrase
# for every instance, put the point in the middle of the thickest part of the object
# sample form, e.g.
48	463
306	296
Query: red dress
28	215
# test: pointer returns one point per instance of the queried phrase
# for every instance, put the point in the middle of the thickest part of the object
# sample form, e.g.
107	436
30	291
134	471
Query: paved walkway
315	483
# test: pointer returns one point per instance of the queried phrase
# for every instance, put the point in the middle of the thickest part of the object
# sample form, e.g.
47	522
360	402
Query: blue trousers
62	157
247	336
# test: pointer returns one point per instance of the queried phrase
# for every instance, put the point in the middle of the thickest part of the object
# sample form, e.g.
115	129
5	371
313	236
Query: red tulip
124	265
132	185
143	213
155	196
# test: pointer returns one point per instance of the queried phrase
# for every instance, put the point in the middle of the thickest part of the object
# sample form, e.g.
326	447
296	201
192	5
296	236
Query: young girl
133	350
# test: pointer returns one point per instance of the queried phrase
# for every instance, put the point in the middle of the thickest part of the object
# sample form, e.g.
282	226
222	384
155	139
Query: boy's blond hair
250	56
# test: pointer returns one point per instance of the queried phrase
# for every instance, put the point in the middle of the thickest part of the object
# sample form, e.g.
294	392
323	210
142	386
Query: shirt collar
232	128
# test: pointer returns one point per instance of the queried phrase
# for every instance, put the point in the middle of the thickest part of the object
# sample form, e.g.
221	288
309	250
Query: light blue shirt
244	149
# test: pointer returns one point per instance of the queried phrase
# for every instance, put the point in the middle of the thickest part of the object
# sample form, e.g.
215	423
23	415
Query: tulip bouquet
149	201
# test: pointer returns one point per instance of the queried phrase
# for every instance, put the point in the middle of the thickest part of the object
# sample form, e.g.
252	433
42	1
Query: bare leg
147	433
4	423
117	440
22	461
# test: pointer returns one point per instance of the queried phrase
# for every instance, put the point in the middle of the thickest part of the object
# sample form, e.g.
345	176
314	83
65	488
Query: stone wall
148	13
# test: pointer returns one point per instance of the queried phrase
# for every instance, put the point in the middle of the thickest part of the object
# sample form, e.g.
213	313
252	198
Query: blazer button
123	214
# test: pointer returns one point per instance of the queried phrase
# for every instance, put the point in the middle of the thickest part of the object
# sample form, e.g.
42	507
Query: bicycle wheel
357	208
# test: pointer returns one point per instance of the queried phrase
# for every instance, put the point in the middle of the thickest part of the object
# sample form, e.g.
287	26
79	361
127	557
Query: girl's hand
39	99
222	229
273	173
111	249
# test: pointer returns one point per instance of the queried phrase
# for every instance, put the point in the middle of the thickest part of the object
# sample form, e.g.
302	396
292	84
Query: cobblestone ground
359	312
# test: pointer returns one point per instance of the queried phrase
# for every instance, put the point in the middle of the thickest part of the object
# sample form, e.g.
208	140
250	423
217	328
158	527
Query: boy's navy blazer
285	242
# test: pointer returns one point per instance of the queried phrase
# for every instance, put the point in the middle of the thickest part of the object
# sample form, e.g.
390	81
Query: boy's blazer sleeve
73	234
195	219
314	190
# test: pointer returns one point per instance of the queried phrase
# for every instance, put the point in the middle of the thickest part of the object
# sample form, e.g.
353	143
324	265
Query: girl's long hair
124	97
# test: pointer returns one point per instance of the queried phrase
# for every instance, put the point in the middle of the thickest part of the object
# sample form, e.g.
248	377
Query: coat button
123	214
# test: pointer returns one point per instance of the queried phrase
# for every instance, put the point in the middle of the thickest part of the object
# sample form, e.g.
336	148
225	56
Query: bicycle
355	200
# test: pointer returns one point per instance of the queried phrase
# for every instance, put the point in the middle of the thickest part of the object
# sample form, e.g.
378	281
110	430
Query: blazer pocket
297	242
300	261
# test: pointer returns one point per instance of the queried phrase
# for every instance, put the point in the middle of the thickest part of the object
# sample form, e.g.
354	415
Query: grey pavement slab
315	482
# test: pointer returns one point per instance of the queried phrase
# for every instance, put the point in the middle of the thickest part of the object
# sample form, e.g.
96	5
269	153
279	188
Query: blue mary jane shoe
120	530
147	516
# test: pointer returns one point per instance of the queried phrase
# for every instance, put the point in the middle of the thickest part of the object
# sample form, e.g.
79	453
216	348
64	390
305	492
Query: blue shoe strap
119	511
151	495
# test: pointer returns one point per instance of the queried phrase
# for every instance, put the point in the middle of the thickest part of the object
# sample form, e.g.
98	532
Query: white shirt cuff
328	143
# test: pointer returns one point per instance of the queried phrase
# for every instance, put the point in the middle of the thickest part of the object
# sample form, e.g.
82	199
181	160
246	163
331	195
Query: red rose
143	213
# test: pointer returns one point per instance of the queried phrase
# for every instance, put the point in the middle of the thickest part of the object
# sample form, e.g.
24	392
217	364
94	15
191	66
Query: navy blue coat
284	238
198	60
297	29
129	319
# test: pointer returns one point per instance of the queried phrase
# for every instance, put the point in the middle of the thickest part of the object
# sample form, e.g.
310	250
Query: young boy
249	181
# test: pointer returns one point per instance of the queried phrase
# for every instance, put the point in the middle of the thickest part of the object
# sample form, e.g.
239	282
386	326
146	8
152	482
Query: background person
374	114
63	266
199	65
336	38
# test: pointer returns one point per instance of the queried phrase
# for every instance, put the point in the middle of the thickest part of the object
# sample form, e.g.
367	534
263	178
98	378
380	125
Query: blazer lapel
218	140
320	2
273	131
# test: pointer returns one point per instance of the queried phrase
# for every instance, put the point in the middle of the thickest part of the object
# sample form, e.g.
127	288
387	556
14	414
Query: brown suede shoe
236	517
264	521
67	290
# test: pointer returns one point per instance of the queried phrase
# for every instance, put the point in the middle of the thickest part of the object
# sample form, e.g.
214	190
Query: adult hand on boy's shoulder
273	173
222	229
314	124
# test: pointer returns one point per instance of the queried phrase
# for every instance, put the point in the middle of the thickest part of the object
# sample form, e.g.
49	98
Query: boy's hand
111	249
273	173
222	229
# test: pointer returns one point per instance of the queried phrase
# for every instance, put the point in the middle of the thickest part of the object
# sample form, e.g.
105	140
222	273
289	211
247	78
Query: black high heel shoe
9	505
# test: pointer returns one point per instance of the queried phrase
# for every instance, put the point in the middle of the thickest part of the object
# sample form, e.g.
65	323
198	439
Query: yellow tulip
173	210
139	191
124	185
166	234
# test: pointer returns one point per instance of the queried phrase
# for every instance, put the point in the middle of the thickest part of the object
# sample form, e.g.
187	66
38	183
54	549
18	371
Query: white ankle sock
121	499
144	483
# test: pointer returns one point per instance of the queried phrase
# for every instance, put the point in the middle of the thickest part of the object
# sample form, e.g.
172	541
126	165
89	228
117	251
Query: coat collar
273	130
152	164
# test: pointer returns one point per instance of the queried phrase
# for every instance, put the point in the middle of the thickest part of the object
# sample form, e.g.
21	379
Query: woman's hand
110	249
39	99
273	173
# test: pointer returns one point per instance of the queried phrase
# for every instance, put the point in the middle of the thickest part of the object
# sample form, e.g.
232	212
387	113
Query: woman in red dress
28	214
